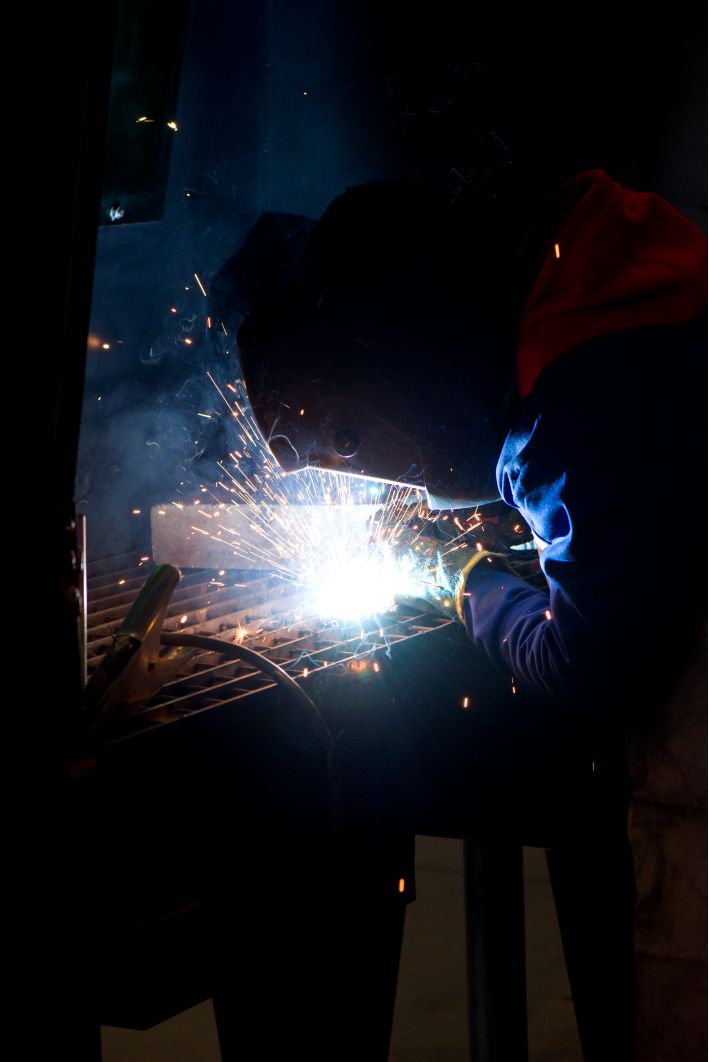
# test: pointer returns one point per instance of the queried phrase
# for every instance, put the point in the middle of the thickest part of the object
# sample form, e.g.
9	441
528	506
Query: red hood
625	260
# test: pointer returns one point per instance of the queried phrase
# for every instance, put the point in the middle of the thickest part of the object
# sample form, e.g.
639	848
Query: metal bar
232	536
103	566
84	596
494	917
190	597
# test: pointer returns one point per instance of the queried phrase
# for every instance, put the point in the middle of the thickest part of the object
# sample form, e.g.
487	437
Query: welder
551	354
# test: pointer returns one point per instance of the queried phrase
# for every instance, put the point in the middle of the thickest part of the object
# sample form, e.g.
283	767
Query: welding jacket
606	463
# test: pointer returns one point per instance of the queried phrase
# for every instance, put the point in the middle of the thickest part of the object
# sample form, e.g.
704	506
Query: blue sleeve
606	444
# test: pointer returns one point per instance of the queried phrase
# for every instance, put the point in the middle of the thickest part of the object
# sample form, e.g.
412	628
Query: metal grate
255	610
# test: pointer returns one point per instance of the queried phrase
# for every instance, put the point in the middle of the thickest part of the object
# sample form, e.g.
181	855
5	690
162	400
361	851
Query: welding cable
260	663
282	678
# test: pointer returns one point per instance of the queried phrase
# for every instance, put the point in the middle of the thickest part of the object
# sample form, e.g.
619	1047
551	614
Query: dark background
390	92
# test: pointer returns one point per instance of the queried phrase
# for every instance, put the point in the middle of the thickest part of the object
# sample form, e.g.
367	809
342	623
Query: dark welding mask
384	357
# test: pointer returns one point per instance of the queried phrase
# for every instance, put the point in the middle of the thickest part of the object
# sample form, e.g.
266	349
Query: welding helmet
390	351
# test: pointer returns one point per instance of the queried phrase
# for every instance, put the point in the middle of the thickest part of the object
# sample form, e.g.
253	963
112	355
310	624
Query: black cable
260	663
288	683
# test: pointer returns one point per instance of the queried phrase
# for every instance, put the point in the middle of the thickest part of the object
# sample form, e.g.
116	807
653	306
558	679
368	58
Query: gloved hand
440	572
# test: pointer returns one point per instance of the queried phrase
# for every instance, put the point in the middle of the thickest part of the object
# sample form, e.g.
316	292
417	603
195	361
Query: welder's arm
523	631
580	470
566	641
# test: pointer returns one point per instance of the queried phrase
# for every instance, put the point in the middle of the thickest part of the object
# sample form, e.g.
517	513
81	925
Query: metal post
494	916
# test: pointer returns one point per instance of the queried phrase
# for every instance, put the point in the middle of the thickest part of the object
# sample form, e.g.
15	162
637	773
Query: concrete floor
430	1022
